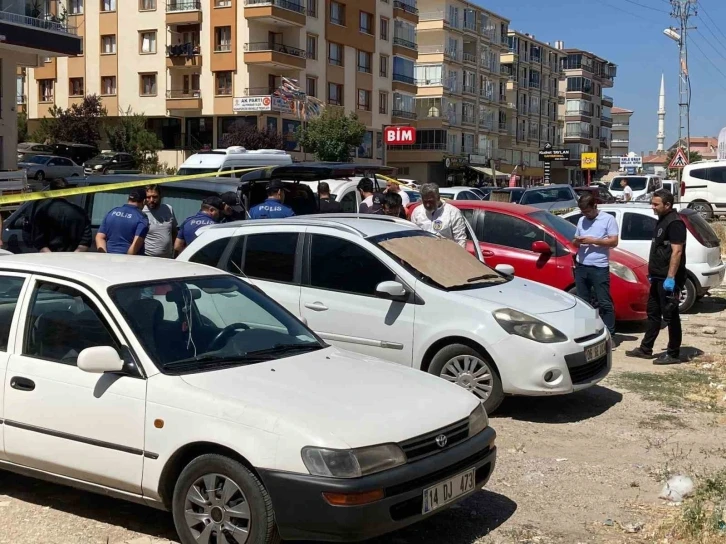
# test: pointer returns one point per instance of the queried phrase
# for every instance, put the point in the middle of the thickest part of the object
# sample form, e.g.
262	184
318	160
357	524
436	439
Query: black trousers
660	307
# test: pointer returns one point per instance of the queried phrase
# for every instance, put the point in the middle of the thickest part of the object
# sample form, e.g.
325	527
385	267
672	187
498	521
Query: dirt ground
581	468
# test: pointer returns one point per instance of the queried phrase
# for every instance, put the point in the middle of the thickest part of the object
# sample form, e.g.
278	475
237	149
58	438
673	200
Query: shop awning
488	172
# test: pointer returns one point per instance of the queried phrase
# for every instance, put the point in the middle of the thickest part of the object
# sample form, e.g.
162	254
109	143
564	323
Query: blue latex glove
669	284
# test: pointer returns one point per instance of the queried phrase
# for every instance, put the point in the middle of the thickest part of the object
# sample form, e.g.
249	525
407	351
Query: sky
629	33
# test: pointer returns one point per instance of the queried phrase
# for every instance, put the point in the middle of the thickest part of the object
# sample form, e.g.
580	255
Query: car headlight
98	167
623	272
529	327
352	463
478	420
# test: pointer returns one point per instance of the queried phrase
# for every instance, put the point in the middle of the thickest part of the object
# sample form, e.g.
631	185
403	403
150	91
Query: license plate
447	491
596	351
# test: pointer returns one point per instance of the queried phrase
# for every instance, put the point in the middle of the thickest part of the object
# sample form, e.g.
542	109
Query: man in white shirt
627	190
394	187
439	217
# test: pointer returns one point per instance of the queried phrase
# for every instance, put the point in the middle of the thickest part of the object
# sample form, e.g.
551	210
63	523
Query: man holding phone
596	233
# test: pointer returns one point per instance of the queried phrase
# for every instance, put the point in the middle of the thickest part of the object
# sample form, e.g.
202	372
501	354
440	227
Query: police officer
667	271
208	214
59	225
233	210
273	207
124	228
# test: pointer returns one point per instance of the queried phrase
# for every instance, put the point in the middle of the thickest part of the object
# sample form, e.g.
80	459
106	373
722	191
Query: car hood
523	295
333	393
549	206
97	162
28	165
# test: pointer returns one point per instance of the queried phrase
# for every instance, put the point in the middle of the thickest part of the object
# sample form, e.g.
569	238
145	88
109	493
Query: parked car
458	193
370	284
185	388
643	187
675	187
703	250
482	192
78	153
601	194
550	197
506	194
101	164
42	167
217	162
704	187
539	246
30	149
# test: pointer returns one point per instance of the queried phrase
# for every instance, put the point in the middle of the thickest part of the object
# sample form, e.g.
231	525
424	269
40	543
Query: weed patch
677	389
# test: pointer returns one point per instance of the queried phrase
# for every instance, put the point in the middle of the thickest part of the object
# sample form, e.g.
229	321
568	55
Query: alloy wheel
471	373
217	511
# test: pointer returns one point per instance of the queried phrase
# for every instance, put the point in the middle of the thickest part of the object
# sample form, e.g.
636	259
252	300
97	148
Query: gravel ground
571	469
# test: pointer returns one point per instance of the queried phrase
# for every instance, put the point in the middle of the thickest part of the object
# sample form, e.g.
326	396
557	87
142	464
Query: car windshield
413	196
547	195
104	157
186	171
452	268
38	159
192	324
556	223
449	196
636	184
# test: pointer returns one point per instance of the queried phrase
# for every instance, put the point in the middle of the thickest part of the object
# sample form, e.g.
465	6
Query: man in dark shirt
233	210
58	225
327	204
667	271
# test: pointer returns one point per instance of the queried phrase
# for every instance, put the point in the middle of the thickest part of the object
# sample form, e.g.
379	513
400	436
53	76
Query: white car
636	223
704	187
42	167
458	193
643	187
383	287
185	388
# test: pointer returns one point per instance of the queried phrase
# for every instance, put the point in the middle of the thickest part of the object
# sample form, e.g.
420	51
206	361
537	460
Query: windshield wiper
483	277
284	348
212	360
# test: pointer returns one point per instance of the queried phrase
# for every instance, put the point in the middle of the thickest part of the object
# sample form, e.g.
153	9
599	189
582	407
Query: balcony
41	33
582	112
184	99
469	57
403	83
487	95
469	89
468	119
403	114
404	43
502	98
620	141
534	84
577	135
561	98
275	12
407	12
183	12
183	55
469	25
607	119
275	55
607	100
503	128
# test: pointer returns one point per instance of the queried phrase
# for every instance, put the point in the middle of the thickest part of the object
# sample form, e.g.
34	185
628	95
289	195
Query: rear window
186	171
636	184
699	228
546	196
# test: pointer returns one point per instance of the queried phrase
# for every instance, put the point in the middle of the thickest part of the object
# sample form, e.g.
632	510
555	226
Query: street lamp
673	35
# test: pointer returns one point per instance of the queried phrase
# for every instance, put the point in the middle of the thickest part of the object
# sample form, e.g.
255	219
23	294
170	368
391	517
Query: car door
58	418
636	233
339	301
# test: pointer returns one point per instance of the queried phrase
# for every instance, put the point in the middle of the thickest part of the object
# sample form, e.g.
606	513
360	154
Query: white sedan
42	167
185	388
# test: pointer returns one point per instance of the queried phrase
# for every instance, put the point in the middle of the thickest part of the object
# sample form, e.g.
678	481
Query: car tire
472	362
40	175
191	502
688	296
703	208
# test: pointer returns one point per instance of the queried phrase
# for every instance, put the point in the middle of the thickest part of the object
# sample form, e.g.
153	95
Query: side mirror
506	269
100	359
540	246
391	290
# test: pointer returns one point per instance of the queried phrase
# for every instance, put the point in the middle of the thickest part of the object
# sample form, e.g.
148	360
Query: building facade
586	110
196	67
620	142
461	106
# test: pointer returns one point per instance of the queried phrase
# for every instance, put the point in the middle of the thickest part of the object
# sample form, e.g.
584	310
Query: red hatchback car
539	246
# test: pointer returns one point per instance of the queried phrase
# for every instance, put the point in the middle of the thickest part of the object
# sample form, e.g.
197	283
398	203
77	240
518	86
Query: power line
695	44
630	13
708	27
710	19
705	39
646	6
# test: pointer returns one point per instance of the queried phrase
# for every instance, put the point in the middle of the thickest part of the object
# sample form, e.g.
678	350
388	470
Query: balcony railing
404	43
469	57
534	84
404	79
403	114
405	7
503	127
606	98
183	5
188	50
435	15
620	141
581	111
486	94
183	93
284	4
469	89
607	118
577	134
44	23
277	47
429	82
470	25
468	118
621	125
502	98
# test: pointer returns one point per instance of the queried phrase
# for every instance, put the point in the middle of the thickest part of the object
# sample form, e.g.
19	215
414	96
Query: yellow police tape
40	195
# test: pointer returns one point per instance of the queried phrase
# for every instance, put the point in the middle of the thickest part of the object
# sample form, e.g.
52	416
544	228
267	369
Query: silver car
50	166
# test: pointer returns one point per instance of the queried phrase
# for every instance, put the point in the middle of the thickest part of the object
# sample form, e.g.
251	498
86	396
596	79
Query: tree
250	137
22	127
694	156
333	136
80	124
130	135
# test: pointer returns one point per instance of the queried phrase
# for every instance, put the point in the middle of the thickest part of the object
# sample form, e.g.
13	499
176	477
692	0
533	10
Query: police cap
137	194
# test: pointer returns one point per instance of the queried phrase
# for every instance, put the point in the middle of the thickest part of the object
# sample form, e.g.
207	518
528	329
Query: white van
218	161
704	187
643	186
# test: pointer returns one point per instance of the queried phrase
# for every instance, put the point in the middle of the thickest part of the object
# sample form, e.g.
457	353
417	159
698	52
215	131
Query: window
75	86
108	44
311	86
384	28
364	100
312	46
222	3
108	85
211	253
337	13
148	85
366	22
339	265
313	8
108	5
508	231
383	69
403	70
62	322
638	227
76	7
147	5
223	38
147	41
266	256
335	54
335	94
9	292
349	203
45	90
382	103
223	83
364	62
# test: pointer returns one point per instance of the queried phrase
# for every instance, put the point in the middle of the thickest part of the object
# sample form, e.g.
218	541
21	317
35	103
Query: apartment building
533	71
620	142
30	31
461	93
586	110
196	67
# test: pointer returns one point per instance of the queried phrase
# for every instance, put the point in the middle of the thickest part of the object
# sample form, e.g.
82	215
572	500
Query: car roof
552	186
102	270
505	207
221	185
313	171
508	189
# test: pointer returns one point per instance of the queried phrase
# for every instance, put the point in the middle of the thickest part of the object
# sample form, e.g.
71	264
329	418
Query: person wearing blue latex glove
667	274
